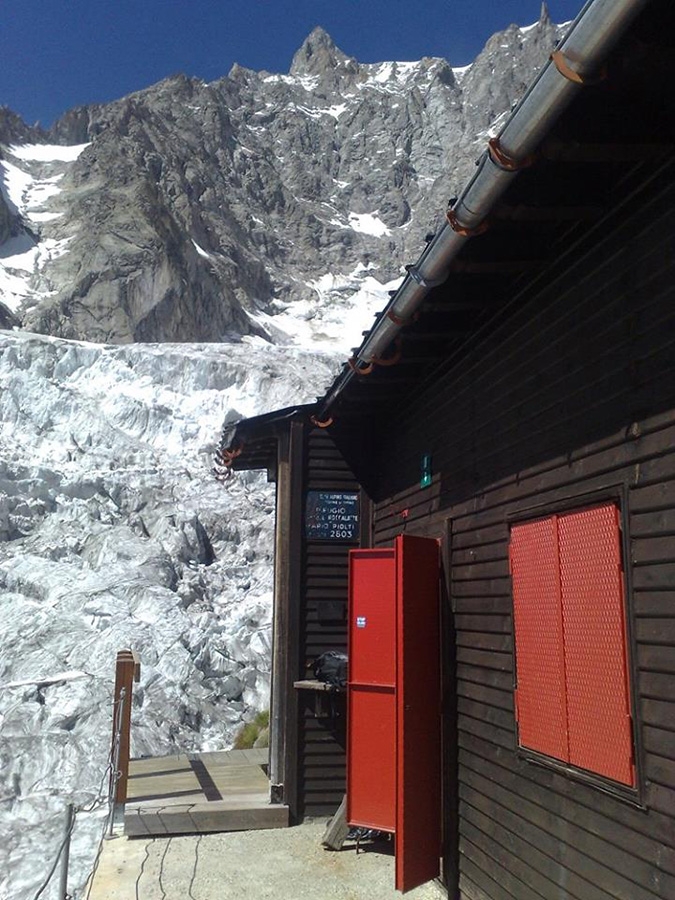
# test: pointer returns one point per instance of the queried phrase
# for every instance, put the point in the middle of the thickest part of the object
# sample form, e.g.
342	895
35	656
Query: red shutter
598	705
540	665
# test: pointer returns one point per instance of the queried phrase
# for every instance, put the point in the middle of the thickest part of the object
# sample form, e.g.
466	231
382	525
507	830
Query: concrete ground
278	864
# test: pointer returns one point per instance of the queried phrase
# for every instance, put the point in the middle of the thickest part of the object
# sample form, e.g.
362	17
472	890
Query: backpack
331	668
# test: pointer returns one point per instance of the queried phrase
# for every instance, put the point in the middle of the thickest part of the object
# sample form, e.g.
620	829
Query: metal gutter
574	63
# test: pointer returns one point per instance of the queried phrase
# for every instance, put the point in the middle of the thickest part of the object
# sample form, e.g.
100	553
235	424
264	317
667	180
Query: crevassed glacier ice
114	534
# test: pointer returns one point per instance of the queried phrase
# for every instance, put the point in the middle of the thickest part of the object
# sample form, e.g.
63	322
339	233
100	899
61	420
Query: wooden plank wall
321	741
574	397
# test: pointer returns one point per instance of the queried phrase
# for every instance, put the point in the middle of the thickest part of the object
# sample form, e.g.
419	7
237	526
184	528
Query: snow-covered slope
29	186
114	534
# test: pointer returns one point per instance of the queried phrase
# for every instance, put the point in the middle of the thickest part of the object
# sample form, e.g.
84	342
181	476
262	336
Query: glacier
114	534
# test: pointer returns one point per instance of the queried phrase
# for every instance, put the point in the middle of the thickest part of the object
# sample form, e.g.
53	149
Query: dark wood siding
321	741
572	397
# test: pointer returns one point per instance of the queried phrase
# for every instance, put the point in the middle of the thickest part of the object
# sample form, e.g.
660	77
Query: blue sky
56	54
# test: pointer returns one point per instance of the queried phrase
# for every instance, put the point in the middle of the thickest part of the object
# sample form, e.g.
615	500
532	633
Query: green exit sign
425	470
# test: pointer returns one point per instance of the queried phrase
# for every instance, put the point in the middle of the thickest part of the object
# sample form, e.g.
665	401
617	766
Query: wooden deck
222	791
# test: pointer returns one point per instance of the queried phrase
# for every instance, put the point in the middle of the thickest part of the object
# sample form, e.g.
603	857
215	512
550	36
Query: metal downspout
597	27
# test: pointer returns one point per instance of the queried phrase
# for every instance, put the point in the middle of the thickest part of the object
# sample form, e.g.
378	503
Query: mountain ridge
199	210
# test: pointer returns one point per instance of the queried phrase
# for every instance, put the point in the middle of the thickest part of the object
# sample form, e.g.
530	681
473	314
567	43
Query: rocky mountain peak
197	212
318	54
14	130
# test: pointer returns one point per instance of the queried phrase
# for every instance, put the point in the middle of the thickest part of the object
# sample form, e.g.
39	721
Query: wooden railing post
127	670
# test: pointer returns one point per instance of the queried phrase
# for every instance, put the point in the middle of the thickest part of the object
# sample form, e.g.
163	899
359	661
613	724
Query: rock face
196	205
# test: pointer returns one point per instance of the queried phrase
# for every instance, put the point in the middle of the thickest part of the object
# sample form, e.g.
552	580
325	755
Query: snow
319	111
48	152
384	72
460	72
40	191
44	216
400	72
333	315
201	251
45	680
20	259
368	223
336	111
306	82
15	185
13	290
114	534
29	185
394	77
528	29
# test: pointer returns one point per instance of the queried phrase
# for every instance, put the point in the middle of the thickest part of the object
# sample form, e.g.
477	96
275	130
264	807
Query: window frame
617	494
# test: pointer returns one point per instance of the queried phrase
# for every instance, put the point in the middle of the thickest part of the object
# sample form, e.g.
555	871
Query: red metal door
394	703
418	738
371	720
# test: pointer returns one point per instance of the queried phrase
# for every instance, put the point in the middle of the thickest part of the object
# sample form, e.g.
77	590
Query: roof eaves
574	63
236	437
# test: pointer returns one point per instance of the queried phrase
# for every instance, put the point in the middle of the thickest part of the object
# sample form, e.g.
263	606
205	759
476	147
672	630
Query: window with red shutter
572	693
540	699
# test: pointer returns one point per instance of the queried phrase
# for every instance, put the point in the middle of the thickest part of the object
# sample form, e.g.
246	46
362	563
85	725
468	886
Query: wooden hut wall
571	397
321	740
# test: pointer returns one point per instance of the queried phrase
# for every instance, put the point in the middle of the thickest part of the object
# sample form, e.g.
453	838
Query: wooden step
217	791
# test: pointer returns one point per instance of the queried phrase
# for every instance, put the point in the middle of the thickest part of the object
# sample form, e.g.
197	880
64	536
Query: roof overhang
596	123
252	443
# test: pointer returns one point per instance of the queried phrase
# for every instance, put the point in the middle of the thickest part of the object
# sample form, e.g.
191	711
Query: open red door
371	715
418	687
394	709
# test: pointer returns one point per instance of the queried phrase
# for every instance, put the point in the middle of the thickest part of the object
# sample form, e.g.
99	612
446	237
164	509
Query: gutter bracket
463	230
353	363
390	360
417	276
321	423
563	64
398	320
502	160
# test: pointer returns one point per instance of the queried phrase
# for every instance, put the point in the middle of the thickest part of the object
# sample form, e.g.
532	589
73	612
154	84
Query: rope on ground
194	869
140	874
161	868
